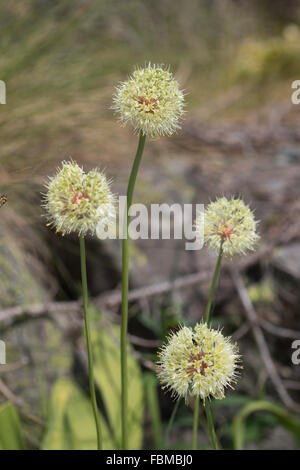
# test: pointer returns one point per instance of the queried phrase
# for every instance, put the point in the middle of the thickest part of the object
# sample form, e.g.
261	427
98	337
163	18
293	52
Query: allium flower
77	201
230	222
199	361
151	101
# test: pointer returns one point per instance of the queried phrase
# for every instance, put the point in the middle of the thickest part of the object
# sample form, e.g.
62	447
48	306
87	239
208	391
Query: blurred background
61	62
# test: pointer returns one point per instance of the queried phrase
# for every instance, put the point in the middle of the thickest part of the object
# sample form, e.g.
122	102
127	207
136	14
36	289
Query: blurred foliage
71	423
61	61
151	385
286	419
263	292
276	57
22	278
107	375
10	428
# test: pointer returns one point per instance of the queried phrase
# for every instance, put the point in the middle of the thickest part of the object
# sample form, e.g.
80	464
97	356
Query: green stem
213	285
125	282
88	340
195	424
209	417
171	421
211	426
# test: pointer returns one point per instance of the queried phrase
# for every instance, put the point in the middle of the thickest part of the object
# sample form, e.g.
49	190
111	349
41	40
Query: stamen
151	102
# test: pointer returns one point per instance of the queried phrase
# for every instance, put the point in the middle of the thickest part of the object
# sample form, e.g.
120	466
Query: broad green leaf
71	423
107	375
284	417
10	428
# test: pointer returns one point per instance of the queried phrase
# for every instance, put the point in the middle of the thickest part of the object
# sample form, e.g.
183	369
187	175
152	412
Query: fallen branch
9	395
262	344
278	330
14	366
19	403
110	299
292	384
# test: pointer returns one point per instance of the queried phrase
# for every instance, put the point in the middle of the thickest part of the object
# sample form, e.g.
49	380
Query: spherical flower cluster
151	101
229	223
199	361
77	201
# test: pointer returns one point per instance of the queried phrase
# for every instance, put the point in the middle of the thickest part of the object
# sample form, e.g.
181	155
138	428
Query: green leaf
71	422
150	323
10	428
154	409
107	375
231	400
285	418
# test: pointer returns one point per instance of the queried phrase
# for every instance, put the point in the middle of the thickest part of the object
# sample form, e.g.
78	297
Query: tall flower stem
89	341
211	426
209	417
195	423
171	422
213	285
125	283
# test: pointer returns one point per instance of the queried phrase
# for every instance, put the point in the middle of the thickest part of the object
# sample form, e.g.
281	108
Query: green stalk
209	417
213	285
195	424
154	409
125	282
171	421
211	426
88	341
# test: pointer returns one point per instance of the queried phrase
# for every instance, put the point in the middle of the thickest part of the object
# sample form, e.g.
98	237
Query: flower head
151	101
77	201
230	223
199	361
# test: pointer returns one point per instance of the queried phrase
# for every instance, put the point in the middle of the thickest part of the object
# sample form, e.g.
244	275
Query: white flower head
151	101
199	361
77	201
229	223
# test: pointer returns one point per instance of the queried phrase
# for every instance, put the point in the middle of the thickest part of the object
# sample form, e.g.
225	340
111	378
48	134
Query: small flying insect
3	200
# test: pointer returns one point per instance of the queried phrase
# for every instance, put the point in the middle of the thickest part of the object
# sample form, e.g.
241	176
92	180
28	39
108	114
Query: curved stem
213	285
195	423
88	341
125	282
211	426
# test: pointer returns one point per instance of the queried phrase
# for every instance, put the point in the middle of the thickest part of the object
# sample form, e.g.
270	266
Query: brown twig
110	299
144	342
9	395
114	298
14	366
278	330
292	384
262	344
240	332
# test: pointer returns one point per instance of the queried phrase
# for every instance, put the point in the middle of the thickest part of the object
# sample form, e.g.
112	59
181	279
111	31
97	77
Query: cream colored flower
199	361
77	201
151	101
230	223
